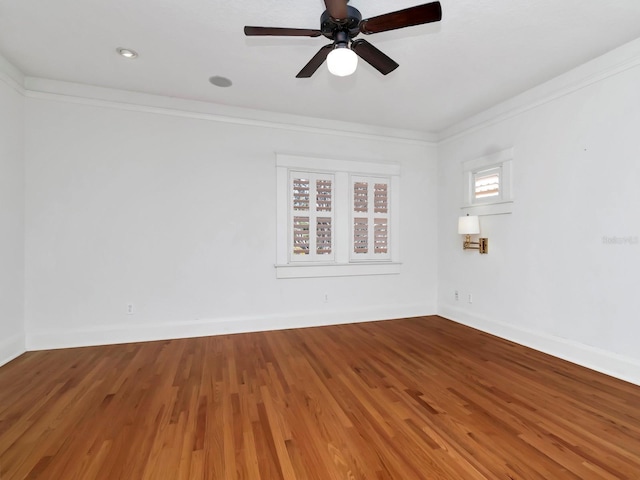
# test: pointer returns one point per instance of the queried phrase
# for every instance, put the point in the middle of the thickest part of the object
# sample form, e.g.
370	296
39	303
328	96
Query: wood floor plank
419	398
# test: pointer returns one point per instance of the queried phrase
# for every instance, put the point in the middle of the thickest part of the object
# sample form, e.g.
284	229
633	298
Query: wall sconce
468	226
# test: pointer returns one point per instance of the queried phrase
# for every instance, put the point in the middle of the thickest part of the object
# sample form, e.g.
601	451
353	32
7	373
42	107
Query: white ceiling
483	52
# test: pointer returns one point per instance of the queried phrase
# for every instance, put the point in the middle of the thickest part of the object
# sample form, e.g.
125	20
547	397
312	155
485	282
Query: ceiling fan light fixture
342	61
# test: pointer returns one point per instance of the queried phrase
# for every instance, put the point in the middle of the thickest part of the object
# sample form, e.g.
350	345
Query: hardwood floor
419	398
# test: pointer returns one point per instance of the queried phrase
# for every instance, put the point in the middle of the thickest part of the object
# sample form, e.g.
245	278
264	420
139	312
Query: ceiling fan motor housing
329	26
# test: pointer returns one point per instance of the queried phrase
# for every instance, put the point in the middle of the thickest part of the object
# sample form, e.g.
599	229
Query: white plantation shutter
370	218
361	235
324	195
301	235
380	223
486	183
381	199
360	196
324	224
301	194
323	236
380	235
312	219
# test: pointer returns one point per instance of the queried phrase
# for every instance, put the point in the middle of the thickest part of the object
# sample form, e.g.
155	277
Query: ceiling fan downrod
329	25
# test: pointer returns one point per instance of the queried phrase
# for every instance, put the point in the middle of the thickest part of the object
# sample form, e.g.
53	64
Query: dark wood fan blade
317	60
283	32
427	13
373	56
337	8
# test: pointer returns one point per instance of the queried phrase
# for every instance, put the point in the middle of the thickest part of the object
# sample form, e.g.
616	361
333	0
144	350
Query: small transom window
486	184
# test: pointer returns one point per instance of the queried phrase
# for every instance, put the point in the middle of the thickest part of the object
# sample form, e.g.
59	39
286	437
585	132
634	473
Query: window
488	188
336	217
370	218
486	185
311	220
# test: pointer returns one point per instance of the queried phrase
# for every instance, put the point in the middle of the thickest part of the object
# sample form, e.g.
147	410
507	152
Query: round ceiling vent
220	81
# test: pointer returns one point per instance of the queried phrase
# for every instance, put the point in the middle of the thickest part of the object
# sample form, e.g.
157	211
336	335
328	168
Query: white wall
175	214
172	210
12	342
549	281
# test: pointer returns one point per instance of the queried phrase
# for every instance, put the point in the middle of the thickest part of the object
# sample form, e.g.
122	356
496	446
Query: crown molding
11	76
607	65
68	92
42	88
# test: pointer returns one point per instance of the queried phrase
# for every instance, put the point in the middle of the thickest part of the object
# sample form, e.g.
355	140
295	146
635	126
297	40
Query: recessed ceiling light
127	52
220	81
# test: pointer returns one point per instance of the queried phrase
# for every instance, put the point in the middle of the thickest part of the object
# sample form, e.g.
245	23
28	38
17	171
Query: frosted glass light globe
342	61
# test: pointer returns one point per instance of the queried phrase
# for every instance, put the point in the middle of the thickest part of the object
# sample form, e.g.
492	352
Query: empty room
319	239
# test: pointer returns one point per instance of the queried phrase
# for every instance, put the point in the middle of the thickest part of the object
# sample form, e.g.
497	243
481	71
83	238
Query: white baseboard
40	339
619	366
11	347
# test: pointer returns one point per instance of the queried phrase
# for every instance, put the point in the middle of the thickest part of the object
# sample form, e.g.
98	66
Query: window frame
341	264
501	162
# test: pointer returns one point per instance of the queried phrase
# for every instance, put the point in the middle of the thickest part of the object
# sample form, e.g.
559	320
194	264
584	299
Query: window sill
337	269
497	208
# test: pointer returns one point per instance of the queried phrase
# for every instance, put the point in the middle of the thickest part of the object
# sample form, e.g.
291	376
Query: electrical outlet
130	309
470	298
456	295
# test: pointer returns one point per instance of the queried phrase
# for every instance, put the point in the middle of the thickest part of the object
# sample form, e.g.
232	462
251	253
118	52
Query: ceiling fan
342	23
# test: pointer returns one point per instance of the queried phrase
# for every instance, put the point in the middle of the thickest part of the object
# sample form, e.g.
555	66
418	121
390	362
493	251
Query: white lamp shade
468	225
342	61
